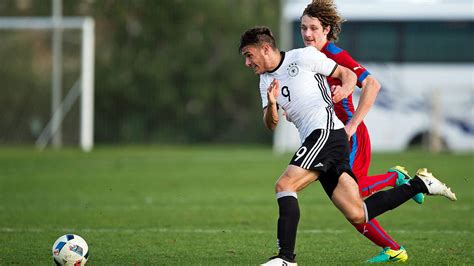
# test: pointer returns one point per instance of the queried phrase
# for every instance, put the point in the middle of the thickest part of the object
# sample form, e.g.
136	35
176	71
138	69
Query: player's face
254	58
312	32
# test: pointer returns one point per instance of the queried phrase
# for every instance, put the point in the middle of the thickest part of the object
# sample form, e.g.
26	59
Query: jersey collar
282	53
324	46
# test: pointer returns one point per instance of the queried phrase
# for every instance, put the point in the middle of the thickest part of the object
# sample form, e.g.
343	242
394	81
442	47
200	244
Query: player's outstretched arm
348	79
370	90
270	112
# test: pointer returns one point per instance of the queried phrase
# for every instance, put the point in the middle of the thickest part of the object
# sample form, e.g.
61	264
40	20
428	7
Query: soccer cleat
434	186
279	261
390	255
403	178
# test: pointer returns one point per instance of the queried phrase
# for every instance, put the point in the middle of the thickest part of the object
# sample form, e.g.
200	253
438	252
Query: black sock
288	225
418	185
383	201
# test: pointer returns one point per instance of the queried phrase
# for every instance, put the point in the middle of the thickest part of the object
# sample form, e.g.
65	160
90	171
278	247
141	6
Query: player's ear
265	49
326	30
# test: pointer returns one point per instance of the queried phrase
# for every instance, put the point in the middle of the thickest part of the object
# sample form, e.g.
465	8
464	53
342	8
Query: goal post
86	79
87	85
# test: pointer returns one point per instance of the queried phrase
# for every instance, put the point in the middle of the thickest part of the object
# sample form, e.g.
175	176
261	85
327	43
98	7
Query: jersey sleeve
319	62
344	59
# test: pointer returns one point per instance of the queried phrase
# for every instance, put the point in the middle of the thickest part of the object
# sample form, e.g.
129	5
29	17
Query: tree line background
165	71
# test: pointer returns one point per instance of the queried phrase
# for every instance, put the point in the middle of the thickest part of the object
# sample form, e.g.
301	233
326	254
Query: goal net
29	113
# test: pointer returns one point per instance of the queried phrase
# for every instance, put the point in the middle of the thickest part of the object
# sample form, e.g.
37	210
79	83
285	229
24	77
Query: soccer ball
70	249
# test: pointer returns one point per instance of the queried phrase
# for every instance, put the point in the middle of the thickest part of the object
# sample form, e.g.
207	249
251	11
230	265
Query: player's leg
299	174
346	198
320	150
373	231
359	159
371	184
378	236
360	156
294	179
423	182
396	176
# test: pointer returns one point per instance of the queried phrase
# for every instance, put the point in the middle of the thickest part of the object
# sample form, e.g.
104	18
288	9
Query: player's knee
282	185
356	217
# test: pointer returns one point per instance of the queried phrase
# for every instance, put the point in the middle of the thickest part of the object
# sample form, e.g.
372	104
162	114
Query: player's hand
350	130
273	91
339	93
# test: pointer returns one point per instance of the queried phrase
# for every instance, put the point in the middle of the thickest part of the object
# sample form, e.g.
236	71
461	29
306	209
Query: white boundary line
213	231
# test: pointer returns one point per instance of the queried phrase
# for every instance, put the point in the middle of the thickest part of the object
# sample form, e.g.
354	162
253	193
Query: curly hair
326	12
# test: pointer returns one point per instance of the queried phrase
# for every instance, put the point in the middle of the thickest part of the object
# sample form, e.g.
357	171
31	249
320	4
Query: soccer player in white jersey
296	82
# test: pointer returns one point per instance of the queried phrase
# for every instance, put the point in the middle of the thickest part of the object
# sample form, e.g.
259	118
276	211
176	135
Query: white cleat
435	187
276	261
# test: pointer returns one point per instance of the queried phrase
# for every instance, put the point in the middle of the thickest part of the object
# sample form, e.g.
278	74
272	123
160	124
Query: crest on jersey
293	70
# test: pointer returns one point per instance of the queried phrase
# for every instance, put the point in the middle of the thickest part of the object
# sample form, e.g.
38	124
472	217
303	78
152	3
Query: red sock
371	184
375	233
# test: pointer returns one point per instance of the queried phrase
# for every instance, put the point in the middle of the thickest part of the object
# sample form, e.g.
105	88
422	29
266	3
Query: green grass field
164	205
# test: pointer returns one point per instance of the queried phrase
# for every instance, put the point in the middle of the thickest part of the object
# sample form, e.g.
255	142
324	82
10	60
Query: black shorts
325	151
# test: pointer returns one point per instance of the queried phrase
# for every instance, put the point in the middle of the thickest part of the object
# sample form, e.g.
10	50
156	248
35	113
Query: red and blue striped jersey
344	109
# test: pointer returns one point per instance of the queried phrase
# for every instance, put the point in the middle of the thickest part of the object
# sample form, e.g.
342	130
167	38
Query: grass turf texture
209	206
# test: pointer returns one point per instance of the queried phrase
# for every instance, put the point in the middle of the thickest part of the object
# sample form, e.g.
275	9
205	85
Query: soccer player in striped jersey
296	82
320	26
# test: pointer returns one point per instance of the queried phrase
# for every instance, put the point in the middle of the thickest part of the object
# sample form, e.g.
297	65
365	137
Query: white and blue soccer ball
70	249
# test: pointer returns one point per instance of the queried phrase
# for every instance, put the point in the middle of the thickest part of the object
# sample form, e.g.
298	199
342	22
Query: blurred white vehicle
421	53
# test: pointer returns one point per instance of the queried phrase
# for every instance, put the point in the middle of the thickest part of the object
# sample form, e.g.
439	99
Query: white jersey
304	92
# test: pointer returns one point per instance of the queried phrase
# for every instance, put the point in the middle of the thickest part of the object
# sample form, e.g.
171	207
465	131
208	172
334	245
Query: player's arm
348	79
270	112
370	90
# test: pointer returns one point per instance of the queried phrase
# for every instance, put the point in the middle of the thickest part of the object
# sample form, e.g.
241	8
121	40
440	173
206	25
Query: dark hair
258	36
326	12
